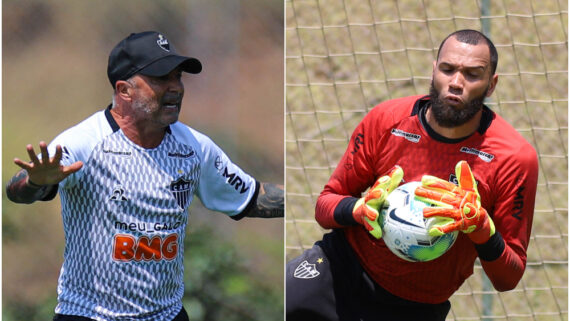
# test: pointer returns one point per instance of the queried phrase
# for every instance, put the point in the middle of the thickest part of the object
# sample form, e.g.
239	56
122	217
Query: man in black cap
126	177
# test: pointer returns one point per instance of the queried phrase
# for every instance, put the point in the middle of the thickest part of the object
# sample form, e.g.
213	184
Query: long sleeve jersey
505	167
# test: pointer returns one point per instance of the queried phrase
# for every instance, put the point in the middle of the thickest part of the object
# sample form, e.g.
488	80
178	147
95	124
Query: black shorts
326	282
182	316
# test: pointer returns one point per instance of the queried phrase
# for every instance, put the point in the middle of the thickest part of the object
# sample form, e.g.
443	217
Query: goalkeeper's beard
448	116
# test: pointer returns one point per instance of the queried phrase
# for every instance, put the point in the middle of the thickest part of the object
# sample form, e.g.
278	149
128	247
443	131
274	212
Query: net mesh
344	57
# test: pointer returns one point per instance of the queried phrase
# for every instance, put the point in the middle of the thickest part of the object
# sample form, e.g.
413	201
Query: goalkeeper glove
366	210
458	207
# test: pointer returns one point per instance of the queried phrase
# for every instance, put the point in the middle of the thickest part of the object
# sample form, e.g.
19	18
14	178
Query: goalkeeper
476	168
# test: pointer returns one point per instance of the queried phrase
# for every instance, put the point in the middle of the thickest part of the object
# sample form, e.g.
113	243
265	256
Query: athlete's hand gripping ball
457	207
366	210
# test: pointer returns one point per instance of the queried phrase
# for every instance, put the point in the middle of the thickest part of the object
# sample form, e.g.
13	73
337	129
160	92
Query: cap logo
163	43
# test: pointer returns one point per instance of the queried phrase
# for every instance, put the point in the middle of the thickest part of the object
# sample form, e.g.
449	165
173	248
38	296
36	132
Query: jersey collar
114	126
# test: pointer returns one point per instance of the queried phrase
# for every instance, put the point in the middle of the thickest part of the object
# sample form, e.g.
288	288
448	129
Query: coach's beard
448	116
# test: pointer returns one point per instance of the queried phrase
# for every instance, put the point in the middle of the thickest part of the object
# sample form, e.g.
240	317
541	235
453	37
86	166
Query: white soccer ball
405	230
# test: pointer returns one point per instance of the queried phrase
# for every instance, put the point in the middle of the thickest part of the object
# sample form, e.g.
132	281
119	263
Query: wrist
492	249
20	190
31	184
343	212
485	233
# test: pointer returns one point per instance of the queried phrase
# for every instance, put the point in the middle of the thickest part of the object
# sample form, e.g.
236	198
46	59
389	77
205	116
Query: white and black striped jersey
125	213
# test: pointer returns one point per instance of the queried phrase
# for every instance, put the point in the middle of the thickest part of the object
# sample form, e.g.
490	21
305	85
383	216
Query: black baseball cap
148	53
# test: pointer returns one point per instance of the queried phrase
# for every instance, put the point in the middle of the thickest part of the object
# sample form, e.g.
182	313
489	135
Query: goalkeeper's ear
492	85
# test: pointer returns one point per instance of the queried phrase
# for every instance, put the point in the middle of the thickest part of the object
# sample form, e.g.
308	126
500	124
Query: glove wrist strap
484	234
492	249
343	212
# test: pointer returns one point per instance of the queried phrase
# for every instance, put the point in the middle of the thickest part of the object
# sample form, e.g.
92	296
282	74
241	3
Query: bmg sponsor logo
128	248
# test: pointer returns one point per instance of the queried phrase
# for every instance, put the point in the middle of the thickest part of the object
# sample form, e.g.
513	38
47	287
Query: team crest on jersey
305	270
181	189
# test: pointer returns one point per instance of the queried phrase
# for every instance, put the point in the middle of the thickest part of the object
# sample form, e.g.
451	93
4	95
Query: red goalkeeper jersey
504	164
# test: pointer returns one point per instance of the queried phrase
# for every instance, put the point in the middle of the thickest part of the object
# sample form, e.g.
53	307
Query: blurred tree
217	286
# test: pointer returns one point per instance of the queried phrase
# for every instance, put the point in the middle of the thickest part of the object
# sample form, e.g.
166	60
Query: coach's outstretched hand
458	205
366	210
47	170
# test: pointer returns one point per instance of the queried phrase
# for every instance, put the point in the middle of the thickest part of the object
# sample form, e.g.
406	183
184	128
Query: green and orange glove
366	210
457	207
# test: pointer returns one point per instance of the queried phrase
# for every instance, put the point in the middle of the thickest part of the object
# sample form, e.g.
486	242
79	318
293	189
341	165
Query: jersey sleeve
78	142
512	215
224	186
352	176
71	154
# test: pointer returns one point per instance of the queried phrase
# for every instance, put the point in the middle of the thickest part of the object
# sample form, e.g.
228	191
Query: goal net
345	56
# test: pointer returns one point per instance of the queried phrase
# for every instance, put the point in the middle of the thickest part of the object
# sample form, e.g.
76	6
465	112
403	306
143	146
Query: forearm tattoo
269	202
19	191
